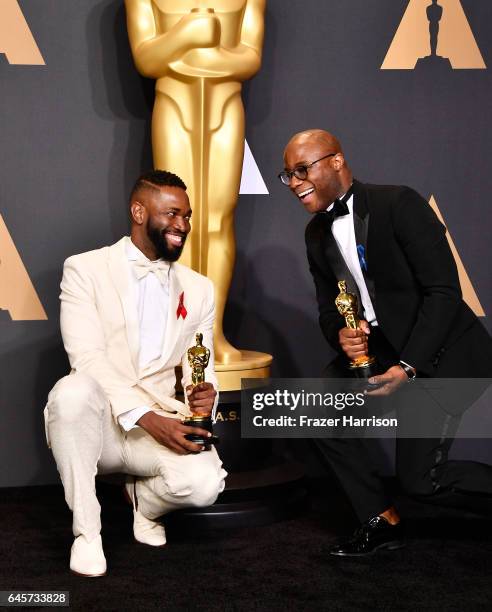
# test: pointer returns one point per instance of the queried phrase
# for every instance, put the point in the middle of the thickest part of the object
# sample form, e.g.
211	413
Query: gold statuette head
198	357
347	306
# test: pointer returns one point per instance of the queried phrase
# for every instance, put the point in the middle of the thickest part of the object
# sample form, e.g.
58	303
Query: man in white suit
129	313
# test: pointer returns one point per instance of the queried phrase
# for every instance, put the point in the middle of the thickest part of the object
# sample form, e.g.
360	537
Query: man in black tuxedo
389	246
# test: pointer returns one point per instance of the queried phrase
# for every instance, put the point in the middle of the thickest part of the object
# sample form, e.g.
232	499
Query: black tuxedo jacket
411	277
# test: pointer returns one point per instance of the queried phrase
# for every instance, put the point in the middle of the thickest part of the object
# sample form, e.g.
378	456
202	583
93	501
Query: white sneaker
145	530
87	558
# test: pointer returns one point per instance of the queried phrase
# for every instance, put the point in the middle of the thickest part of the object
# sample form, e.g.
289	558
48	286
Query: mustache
174	232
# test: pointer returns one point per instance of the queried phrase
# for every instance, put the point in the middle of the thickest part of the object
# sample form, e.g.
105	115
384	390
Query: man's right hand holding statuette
354	342
353	337
354	345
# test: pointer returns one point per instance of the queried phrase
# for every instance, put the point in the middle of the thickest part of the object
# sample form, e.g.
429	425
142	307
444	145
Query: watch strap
408	370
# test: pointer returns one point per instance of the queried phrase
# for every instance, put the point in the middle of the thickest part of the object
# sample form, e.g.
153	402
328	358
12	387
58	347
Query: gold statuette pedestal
251	365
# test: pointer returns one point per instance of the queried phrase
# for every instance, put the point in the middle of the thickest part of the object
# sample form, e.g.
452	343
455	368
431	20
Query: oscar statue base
364	368
251	365
204	422
432	63
365	373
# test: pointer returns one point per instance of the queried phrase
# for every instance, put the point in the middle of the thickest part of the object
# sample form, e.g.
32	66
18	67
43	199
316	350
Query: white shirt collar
133	252
349	201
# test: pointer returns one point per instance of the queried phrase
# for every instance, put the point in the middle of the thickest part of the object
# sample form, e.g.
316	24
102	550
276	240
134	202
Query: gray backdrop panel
75	134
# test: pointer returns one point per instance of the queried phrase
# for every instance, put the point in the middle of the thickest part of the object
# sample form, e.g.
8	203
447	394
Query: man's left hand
393	378
201	398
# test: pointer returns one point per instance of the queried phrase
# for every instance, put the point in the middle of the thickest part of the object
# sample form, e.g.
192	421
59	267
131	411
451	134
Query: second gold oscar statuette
347	305
198	358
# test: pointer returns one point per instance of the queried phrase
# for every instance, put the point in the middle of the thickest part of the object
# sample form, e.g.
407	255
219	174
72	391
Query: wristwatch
409	371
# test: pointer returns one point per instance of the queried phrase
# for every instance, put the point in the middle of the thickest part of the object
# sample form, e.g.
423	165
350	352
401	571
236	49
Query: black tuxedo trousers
422	466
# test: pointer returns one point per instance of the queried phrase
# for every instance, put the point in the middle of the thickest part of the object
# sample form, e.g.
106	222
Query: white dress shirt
152	299
344	233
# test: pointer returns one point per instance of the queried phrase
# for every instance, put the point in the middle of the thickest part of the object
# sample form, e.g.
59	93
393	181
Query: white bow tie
160	268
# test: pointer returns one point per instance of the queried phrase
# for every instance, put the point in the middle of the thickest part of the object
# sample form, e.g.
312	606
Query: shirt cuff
128	419
214	408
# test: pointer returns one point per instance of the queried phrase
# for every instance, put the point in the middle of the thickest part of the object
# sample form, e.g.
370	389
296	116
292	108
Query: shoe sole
87	575
395	545
151	545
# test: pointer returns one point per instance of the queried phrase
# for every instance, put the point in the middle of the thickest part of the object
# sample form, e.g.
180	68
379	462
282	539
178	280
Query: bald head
325	175
321	137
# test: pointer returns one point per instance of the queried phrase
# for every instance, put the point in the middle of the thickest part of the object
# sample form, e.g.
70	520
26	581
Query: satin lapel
174	324
118	267
317	241
361	215
362	235
337	263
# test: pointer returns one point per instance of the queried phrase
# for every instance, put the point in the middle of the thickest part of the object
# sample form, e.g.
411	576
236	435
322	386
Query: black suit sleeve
422	238
326	287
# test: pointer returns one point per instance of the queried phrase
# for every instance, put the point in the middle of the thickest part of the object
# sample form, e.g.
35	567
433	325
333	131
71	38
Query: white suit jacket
100	330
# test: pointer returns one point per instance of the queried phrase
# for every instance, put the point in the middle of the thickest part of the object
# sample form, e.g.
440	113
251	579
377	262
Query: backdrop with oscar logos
405	84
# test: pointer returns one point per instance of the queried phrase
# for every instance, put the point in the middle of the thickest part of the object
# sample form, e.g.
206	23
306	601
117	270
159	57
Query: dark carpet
446	564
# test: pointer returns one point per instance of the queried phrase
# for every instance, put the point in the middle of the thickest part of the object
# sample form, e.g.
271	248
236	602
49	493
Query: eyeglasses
300	172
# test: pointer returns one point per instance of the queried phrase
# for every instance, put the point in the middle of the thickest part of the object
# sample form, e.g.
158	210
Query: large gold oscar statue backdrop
200	51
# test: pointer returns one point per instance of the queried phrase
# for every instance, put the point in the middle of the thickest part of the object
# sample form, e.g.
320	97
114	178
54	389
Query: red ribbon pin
181	312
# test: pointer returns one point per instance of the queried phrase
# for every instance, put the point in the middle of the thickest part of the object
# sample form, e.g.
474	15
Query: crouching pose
129	313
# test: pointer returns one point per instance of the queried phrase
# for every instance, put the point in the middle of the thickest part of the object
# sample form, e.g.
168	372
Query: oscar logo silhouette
17	293
198	358
434	15
200	52
469	294
441	25
346	303
16	39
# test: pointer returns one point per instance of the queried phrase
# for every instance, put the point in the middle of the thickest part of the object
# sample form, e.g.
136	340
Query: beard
166	252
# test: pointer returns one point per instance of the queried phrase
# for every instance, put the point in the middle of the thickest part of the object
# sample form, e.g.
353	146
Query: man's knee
418	485
198	487
74	397
205	488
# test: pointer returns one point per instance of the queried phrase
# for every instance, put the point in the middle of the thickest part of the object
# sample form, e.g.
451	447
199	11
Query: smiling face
327	179
160	221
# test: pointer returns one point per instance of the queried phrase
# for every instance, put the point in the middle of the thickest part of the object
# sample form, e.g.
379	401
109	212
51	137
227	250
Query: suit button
438	356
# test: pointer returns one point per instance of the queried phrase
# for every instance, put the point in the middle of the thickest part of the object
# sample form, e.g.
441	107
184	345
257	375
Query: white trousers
86	441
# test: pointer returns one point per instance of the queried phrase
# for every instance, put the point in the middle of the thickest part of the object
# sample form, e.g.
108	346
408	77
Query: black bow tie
339	208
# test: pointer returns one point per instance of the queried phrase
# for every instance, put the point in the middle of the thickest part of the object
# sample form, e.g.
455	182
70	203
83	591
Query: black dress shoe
376	534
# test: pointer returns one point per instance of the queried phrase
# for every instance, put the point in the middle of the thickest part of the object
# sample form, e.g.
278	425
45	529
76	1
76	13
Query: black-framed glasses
300	172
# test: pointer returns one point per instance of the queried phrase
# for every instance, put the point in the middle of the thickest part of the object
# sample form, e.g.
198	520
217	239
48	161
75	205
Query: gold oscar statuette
198	358
346	303
200	52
